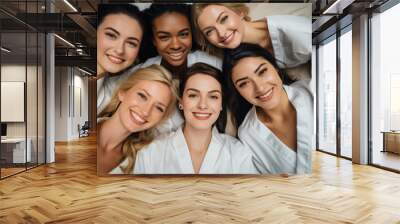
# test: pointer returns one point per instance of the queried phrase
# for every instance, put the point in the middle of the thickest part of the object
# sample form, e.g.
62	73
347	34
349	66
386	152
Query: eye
111	36
163	38
214	97
184	34
223	19
192	95
242	84
208	32
161	109
142	96
132	44
262	71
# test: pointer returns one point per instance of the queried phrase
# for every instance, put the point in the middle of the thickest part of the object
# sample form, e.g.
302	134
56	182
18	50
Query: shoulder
250	120
288	20
233	145
151	61
158	145
302	89
201	56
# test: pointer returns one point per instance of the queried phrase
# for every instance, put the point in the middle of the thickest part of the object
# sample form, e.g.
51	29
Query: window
327	97
385	88
346	93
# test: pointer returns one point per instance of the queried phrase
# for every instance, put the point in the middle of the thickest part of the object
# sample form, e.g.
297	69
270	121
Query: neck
197	140
256	32
278	114
112	133
176	71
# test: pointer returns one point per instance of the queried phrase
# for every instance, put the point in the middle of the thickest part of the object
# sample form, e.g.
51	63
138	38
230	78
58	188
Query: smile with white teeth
201	116
265	96
137	118
115	60
176	55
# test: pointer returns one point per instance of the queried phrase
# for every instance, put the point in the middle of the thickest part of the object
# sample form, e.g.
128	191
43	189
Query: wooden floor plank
69	191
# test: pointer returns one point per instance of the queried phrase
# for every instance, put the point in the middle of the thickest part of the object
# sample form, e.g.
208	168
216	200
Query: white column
360	90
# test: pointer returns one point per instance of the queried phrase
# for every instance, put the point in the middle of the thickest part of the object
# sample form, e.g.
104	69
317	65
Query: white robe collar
209	161
303	154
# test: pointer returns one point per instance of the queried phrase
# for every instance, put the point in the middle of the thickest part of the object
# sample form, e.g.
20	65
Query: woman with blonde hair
227	25
142	101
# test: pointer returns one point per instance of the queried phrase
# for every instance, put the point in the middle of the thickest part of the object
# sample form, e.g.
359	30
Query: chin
176	63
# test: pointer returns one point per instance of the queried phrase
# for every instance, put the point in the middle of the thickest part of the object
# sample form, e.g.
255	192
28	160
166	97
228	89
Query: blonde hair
197	9
137	140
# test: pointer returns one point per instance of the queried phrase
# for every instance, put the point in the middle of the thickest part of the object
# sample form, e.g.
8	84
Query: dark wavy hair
158	9
202	68
237	104
128	10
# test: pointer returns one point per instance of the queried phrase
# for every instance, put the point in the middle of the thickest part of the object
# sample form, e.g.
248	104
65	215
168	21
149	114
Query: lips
266	95
176	56
201	115
115	59
228	38
137	119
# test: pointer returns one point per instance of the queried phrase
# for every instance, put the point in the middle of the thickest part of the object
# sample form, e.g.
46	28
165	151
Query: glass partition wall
334	95
22	77
385	89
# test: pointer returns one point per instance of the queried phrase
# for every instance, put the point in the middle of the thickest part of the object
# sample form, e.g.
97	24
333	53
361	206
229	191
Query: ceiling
79	27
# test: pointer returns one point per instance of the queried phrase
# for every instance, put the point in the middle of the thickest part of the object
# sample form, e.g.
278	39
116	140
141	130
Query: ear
121	95
153	41
241	15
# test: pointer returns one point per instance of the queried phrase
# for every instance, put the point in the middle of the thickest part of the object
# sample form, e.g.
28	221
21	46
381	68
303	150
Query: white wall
70	83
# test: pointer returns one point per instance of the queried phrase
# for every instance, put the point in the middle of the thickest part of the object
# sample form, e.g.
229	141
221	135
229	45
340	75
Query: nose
220	31
119	48
202	105
175	43
146	109
258	86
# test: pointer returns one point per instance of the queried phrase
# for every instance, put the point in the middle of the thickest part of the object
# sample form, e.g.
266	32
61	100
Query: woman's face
172	37
201	101
221	26
118	42
143	105
258	82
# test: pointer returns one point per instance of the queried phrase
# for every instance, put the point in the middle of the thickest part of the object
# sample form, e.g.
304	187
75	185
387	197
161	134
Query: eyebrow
241	79
169	33
196	90
118	33
112	29
258	68
215	20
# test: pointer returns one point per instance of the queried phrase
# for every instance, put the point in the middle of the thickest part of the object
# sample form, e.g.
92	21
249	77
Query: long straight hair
237	104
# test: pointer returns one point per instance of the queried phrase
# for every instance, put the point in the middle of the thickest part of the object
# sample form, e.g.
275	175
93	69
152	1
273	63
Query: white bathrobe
170	155
271	155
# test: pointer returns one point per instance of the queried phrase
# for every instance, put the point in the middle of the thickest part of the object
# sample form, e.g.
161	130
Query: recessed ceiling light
5	49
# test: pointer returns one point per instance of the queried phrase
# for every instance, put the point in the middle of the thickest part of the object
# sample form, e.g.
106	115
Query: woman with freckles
199	145
227	25
274	114
119	35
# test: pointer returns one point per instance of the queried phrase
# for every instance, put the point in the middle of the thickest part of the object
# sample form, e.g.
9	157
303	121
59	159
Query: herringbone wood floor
69	191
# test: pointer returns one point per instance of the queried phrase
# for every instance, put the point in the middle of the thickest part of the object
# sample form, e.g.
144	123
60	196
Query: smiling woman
120	32
142	101
117	46
199	146
273	113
